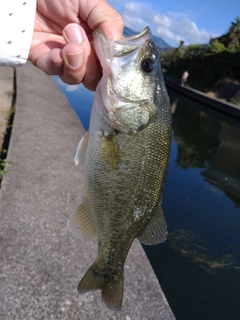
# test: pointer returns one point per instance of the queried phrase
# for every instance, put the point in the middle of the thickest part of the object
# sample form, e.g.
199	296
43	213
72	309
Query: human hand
62	38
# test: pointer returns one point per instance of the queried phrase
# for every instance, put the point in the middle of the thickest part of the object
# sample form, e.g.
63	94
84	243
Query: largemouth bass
126	155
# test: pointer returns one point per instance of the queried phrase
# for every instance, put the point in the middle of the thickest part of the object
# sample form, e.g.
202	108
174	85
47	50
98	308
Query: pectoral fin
156	230
82	149
81	224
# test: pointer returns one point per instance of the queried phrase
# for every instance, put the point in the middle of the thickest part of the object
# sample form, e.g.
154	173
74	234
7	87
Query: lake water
198	266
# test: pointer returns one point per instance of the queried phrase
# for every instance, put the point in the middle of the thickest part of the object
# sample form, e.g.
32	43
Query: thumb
79	58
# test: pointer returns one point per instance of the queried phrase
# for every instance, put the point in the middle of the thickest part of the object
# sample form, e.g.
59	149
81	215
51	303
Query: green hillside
209	66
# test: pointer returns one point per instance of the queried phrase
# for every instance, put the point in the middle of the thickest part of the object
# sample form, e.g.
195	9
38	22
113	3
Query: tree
181	43
235	27
234	34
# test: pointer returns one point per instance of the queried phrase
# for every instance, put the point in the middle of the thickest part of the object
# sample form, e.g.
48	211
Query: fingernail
58	63
74	59
73	34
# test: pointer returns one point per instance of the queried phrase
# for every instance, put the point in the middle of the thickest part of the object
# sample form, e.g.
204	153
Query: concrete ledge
41	261
227	108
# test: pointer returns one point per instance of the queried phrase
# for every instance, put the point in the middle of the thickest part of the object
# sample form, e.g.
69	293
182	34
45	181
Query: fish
125	155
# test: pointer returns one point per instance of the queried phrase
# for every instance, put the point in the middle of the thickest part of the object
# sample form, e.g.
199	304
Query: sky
174	20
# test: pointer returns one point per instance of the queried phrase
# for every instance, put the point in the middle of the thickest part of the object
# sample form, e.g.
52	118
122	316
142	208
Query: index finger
99	14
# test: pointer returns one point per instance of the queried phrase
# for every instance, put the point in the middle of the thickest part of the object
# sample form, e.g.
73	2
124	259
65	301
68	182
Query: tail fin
112	288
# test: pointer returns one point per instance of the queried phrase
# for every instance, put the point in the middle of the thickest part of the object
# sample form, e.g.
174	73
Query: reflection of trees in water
208	140
196	136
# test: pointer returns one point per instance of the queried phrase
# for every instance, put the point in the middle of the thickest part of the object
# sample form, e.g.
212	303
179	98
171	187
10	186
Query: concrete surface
215	103
41	262
6	95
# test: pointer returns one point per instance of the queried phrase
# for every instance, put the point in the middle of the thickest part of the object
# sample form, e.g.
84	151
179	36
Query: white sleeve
16	31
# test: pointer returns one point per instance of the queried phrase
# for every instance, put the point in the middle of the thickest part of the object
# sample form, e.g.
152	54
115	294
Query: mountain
162	45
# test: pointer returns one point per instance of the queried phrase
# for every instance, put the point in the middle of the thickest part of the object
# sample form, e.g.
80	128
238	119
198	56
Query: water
80	99
199	265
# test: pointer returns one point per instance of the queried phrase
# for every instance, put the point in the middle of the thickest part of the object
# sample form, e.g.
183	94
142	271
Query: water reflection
200	262
207	140
80	99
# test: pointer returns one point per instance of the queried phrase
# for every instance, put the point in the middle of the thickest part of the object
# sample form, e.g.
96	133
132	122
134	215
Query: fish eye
148	65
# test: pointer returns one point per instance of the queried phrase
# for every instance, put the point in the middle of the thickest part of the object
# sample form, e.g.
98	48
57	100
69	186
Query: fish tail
112	287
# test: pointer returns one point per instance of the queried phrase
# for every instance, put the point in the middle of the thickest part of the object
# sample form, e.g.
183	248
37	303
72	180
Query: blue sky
191	21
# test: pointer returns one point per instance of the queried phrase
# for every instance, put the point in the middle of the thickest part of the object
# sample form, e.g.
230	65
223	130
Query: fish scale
126	158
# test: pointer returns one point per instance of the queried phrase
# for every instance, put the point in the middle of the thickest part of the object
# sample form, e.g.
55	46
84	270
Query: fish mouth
124	112
131	43
106	49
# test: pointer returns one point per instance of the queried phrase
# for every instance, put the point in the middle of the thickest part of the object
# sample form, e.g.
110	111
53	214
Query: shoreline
215	103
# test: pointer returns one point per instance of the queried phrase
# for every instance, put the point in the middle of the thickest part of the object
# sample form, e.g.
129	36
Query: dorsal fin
156	230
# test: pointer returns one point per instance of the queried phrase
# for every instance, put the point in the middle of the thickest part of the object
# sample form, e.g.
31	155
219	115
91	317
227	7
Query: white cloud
190	33
133	8
73	87
181	15
68	87
167	34
171	27
134	23
132	13
162	20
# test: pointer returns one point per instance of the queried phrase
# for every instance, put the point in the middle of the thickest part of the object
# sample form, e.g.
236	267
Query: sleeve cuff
17	19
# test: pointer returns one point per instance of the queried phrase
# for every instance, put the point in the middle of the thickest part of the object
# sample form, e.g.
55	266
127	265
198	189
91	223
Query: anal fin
156	230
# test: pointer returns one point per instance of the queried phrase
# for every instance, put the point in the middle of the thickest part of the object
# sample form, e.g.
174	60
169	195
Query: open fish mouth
106	49
126	64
